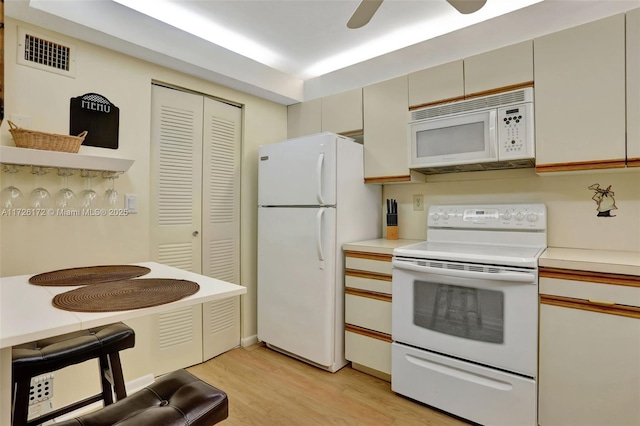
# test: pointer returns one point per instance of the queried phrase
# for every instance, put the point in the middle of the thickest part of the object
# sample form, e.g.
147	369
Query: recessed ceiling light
174	13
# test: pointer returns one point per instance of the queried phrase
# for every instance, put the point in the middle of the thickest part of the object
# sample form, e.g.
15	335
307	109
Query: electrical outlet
418	203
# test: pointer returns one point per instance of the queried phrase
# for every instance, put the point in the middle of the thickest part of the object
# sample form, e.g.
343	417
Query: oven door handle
519	277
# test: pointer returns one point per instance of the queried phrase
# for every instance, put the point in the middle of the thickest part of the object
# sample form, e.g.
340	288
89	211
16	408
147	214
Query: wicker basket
48	141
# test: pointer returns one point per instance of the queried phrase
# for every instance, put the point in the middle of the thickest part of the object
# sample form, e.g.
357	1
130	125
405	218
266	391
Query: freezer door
296	281
298	172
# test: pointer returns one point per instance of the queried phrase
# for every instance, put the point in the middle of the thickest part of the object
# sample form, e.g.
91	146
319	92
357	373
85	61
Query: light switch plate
131	203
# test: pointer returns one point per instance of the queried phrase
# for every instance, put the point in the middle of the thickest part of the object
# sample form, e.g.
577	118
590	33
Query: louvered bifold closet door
176	193
221	222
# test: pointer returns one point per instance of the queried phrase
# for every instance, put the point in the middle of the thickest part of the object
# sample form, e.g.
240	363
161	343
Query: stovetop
525	257
494	234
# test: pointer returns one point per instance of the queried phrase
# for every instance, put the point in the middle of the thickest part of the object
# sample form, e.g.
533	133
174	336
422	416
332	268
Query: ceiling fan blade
467	6
363	13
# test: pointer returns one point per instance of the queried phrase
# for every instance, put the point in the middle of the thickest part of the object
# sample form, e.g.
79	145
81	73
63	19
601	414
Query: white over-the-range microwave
485	133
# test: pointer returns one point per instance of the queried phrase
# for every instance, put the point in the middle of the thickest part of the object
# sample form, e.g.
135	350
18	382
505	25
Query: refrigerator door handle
319	237
319	165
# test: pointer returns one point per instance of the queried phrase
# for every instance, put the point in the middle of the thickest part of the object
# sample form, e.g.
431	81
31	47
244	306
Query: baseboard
248	341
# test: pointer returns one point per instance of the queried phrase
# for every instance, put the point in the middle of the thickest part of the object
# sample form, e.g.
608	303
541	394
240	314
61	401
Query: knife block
392	232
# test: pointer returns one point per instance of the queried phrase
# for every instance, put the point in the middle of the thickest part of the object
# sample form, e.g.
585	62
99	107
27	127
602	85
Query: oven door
484	314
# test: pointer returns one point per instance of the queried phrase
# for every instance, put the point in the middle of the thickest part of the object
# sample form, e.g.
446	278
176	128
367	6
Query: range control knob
506	215
436	216
519	216
445	215
532	217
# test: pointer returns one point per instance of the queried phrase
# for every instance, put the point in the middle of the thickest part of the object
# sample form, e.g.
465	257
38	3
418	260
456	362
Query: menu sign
95	114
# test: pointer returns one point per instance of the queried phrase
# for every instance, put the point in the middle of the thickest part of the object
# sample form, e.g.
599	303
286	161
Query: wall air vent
45	53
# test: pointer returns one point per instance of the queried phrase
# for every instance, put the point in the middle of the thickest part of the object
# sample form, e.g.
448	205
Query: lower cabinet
589	370
181	338
368	312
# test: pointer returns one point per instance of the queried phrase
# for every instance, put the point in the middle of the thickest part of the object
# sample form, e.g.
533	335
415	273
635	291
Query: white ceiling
290	47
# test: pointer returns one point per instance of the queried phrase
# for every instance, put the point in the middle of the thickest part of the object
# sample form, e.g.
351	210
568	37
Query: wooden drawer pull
601	302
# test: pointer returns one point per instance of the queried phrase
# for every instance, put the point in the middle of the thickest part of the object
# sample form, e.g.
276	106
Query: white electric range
465	312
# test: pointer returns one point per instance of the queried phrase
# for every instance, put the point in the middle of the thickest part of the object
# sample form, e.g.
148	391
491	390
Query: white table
27	314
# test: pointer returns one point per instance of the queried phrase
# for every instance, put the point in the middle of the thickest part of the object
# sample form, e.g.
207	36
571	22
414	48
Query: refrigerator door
298	172
296	281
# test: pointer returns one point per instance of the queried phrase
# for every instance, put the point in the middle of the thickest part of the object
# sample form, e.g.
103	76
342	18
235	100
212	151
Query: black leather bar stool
177	399
48	355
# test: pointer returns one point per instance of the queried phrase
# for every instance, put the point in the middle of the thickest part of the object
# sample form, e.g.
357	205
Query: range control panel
489	216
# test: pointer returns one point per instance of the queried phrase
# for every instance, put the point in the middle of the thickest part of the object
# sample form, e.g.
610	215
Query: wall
33	245
572	215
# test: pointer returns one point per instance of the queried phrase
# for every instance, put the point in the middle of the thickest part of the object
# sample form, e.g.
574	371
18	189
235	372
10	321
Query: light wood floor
268	388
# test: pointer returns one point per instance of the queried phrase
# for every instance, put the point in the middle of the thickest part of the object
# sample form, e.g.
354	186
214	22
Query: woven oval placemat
89	275
125	295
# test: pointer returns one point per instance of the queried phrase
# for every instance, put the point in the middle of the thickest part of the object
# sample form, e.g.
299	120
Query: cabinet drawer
370	265
367	312
368	351
368	283
609	288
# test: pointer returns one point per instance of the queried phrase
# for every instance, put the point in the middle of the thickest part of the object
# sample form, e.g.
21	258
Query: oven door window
467	312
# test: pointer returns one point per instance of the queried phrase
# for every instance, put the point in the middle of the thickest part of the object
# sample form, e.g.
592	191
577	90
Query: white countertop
607	261
27	314
380	245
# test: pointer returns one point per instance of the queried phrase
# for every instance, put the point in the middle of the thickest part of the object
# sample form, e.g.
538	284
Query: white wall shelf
55	159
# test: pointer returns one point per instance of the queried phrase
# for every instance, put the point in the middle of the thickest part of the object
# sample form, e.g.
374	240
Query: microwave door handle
500	276
493	136
319	178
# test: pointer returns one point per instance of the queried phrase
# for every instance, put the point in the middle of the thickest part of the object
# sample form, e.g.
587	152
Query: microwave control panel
515	132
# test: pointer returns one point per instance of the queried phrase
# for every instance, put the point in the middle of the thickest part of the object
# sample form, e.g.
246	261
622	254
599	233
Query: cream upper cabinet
436	84
580	97
633	88
499	69
342	113
304	118
385	132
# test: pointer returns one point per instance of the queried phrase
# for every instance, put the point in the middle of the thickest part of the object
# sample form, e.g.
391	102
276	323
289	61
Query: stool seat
52	354
47	355
177	399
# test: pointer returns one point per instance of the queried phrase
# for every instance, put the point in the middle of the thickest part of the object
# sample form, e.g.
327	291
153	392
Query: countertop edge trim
589	276
585	305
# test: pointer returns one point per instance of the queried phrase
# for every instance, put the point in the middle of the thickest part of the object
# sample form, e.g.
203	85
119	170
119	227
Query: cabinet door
385	132
436	84
499	69
633	88
580	97
304	118
342	113
589	368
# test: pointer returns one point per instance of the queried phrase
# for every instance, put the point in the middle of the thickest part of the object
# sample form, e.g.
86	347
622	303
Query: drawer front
601	292
368	351
371	265
369	284
368	313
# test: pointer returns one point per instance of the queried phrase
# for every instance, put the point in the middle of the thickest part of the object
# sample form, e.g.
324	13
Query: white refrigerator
312	199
